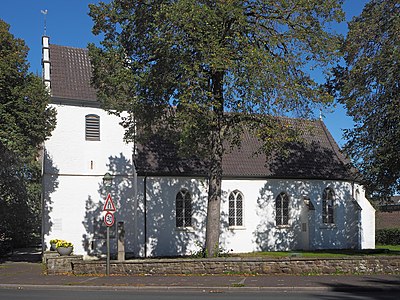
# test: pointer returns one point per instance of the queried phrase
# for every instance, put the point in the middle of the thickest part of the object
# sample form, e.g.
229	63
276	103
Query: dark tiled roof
70	74
160	156
316	157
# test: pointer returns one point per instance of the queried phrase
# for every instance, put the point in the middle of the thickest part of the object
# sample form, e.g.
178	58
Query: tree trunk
214	203
214	185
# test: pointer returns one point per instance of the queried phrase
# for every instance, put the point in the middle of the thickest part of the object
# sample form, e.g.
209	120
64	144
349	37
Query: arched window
328	202
282	209
183	205
236	208
92	128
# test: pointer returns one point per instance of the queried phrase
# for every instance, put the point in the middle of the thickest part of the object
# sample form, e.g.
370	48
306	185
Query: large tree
185	63
25	122
369	86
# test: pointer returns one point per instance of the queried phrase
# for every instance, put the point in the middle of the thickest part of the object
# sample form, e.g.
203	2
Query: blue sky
68	24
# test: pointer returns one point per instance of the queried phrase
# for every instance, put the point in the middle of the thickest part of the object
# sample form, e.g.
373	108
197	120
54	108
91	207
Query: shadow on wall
161	236
268	236
306	229
309	160
50	185
121	190
164	238
226	234
345	232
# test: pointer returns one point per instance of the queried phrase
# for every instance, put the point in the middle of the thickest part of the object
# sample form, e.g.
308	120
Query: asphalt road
43	294
22	277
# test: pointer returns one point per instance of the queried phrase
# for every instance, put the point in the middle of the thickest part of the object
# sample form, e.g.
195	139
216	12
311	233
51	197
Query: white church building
309	200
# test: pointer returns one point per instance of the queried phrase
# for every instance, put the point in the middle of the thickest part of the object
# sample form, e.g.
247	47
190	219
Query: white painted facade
73	173
74	198
259	231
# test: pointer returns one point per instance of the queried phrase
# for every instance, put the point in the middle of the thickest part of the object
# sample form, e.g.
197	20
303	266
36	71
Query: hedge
390	236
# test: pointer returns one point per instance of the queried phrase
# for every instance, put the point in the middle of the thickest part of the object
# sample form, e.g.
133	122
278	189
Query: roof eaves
75	102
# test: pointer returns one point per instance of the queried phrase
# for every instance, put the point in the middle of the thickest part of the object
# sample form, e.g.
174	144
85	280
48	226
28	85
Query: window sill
328	226
185	229
237	228
283	226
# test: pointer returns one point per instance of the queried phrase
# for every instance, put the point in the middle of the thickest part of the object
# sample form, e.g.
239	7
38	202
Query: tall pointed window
328	204
92	128
236	208
183	205
282	209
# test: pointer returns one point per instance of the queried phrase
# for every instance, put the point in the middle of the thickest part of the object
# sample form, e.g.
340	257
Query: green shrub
201	252
390	236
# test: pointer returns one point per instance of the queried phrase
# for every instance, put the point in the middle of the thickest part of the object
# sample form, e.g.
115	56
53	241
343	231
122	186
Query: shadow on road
371	288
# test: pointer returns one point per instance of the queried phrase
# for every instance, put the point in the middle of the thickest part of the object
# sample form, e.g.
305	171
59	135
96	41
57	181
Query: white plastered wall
74	195
73	172
259	231
162	236
367	224
305	229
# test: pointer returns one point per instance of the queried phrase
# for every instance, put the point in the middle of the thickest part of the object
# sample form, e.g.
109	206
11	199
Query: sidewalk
25	270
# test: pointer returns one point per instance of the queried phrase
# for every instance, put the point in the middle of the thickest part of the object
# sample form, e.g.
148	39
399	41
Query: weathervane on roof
44	12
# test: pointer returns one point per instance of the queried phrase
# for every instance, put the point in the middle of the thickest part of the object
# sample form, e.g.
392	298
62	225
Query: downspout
135	206
42	200
358	216
145	214
135	194
359	227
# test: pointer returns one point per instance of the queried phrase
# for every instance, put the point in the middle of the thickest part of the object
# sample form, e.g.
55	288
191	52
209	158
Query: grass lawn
380	250
283	254
389	247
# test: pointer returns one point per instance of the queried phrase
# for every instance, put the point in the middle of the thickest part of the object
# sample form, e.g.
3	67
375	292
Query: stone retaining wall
56	264
301	266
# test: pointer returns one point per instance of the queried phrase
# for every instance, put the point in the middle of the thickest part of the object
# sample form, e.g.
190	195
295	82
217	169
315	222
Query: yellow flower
62	243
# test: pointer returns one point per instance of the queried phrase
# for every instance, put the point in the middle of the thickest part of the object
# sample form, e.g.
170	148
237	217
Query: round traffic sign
109	219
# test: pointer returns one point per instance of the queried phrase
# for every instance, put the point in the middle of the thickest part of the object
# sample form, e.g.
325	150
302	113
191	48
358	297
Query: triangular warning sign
109	205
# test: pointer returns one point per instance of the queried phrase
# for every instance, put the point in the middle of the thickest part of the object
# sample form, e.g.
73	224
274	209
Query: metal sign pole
108	252
108	217
109	220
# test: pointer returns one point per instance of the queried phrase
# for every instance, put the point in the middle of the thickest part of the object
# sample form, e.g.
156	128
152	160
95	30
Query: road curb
215	289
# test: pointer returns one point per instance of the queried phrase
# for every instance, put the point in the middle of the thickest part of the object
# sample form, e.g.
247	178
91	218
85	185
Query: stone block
74	264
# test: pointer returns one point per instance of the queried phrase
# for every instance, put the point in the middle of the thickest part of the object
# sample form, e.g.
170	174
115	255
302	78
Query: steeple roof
70	73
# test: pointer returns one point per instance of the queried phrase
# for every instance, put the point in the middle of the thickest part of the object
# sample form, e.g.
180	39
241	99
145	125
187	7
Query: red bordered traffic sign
109	205
109	219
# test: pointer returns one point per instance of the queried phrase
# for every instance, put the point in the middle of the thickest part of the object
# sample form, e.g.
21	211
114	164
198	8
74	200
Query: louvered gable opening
92	129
